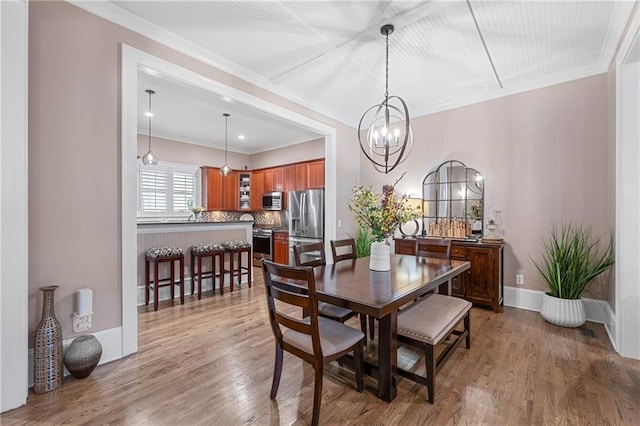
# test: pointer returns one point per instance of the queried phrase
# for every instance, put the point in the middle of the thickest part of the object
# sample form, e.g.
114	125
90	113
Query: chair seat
333	311
335	337
206	248
160	252
431	319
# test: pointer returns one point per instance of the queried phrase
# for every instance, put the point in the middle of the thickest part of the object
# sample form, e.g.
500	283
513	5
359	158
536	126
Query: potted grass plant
571	259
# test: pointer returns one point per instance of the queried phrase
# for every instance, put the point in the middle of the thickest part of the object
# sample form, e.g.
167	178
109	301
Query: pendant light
149	159
225	170
389	138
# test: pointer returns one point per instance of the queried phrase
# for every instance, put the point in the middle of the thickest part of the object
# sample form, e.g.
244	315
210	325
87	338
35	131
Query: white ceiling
329	55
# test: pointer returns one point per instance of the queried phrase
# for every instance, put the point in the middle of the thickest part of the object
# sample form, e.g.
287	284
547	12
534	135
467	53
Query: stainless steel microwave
272	201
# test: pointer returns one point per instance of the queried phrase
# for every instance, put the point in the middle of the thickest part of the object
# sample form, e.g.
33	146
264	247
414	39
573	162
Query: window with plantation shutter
167	190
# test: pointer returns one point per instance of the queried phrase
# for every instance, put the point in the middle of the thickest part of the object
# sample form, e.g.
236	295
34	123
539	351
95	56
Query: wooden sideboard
483	283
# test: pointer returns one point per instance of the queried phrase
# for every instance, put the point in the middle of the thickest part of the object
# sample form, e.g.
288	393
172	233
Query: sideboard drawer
457	251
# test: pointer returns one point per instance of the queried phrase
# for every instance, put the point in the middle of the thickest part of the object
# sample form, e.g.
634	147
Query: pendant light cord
386	59
149	121
226	118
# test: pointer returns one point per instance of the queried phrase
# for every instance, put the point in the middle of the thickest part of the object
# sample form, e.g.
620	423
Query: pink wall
74	154
186	153
543	155
289	154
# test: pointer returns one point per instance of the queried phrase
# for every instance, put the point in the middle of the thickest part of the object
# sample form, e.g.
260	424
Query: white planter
380	258
563	312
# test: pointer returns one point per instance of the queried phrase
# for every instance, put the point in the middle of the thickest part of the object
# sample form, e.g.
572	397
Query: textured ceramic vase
48	349
83	356
380	258
563	312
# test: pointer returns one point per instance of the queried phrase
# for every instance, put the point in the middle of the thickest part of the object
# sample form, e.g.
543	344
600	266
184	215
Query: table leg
387	357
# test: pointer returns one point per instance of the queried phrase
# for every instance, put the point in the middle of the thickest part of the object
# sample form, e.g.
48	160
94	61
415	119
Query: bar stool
235	249
156	256
206	251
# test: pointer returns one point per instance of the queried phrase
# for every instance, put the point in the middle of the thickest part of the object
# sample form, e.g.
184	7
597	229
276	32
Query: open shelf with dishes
245	191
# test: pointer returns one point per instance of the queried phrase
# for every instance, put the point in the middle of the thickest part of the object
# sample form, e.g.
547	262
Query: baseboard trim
110	339
597	310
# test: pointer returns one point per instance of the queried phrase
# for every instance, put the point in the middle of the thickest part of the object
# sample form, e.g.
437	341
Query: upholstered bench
156	256
427	323
203	251
235	250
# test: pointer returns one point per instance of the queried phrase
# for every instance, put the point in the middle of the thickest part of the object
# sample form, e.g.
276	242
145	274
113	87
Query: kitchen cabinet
257	188
230	193
211	188
267	180
244	193
482	284
281	247
301	177
316	174
289	175
278	179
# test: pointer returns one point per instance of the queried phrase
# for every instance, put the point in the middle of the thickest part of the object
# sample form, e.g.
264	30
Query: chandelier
388	139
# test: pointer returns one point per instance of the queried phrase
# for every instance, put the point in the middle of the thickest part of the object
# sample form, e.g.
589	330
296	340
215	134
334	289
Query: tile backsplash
259	217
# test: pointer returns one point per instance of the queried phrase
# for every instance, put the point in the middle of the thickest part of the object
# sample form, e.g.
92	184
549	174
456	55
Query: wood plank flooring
211	361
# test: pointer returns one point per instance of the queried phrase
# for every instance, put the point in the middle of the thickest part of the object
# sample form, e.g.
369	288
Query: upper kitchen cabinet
211	188
278	179
245	190
289	174
258	187
316	174
302	177
230	193
267	181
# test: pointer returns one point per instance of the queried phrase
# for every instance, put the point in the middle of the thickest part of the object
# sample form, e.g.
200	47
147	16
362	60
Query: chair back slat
304	251
292	287
439	248
343	249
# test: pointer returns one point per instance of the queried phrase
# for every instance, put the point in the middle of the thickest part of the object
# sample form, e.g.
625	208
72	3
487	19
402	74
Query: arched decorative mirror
453	201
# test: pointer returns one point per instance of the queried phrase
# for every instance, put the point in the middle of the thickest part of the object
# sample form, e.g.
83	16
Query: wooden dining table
351	284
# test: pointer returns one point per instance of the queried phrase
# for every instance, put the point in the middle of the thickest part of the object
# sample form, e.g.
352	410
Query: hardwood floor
211	361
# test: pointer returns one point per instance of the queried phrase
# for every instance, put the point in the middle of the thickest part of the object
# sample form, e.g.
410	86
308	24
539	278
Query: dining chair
439	248
346	250
326	310
314	339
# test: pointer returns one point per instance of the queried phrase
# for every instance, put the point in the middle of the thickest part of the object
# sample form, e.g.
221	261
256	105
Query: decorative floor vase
48	350
380	259
83	356
563	312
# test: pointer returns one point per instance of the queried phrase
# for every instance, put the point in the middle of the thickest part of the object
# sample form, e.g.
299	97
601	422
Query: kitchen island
184	234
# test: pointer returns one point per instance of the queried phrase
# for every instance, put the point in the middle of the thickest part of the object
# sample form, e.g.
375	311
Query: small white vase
563	312
380	258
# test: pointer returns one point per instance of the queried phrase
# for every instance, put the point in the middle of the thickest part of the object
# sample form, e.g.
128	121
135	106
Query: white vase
380	258
563	312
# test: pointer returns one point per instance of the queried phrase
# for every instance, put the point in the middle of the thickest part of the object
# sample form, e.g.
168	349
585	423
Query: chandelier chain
386	60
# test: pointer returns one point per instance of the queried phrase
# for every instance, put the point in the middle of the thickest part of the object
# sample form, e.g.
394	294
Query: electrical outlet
519	279
339	223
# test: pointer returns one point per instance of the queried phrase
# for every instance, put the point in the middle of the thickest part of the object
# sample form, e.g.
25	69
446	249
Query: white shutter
154	189
183	191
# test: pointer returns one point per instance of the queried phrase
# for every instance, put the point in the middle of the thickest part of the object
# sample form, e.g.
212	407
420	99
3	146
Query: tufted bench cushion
232	245
160	252
431	319
207	248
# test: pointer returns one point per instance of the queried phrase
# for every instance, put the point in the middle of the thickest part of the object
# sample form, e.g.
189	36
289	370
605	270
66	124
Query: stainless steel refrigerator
306	219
